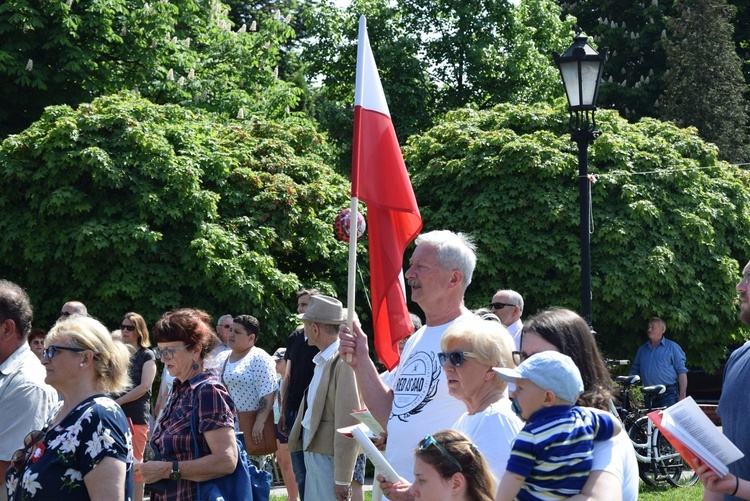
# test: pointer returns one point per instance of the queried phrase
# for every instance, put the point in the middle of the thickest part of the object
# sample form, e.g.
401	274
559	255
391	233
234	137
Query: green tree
705	86
488	51
181	51
671	222
128	205
635	33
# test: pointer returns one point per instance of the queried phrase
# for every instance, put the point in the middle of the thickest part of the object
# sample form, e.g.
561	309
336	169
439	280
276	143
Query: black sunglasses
456	358
51	350
499	306
21	457
430	440
127	327
65	314
519	356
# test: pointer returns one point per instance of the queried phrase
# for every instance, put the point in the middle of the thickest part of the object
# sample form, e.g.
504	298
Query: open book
693	434
358	433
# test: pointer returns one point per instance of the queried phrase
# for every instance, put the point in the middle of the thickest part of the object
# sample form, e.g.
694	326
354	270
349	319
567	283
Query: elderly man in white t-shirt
440	270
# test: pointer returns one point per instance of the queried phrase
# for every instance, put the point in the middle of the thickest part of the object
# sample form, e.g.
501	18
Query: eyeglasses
519	356
130	328
65	314
499	306
456	358
168	353
50	351
228	326
21	457
430	440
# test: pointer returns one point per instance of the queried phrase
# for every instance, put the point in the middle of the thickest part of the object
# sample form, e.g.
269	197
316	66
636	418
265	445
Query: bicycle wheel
678	472
650	472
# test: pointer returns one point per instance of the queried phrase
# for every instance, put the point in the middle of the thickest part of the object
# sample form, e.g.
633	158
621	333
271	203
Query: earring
80	365
196	366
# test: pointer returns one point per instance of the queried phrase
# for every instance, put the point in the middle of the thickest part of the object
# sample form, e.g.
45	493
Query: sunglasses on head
21	457
430	440
456	358
127	327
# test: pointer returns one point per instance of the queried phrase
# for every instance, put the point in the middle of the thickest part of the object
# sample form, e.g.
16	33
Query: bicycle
658	461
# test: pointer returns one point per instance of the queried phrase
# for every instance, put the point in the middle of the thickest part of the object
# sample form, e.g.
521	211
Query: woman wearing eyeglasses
84	451
142	370
449	467
614	473
185	340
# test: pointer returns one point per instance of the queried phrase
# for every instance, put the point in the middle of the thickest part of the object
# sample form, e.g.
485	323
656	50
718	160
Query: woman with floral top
85	450
185	339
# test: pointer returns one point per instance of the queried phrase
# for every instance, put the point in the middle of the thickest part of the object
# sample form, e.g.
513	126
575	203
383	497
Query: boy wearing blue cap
551	457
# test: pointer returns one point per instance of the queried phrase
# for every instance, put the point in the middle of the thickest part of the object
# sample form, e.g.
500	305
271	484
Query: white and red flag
379	179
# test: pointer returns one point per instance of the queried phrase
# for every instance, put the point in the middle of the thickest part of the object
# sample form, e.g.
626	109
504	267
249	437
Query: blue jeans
298	457
665	400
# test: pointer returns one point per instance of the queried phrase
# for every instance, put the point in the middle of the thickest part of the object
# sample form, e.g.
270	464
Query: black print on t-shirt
416	385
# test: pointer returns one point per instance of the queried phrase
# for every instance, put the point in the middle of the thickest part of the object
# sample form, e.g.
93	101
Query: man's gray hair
513	296
221	318
455	251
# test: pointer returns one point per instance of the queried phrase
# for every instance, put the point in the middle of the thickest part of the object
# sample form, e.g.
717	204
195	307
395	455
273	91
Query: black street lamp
581	70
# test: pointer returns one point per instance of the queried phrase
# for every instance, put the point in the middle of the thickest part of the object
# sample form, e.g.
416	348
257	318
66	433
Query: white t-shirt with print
249	378
493	431
421	403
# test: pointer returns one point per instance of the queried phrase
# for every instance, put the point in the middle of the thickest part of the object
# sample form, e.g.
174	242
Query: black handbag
246	483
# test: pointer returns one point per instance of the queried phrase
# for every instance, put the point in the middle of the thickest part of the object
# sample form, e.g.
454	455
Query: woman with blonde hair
136	402
449	467
84	452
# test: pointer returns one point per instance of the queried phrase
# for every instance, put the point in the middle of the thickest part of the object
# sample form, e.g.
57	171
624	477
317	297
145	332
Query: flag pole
351	285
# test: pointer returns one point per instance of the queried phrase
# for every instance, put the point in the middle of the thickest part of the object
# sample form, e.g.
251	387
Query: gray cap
548	370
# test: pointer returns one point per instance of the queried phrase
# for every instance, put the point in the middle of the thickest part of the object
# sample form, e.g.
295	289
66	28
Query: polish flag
379	179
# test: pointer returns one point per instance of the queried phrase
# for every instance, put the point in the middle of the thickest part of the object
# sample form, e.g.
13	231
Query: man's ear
457	278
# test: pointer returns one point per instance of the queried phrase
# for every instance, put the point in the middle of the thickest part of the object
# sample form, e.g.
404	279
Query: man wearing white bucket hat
326	406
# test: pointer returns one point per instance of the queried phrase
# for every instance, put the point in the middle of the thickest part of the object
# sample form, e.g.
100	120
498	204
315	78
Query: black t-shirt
138	410
301	354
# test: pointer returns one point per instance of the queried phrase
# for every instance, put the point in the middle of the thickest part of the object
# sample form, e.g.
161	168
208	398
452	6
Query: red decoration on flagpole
379	179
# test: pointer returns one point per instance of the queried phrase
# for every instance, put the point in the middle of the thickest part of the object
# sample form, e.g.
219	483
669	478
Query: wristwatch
175	475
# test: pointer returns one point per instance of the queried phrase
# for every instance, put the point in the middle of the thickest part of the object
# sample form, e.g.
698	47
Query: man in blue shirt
661	361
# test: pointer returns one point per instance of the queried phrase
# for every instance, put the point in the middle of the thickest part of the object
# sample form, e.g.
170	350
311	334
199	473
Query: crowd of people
467	413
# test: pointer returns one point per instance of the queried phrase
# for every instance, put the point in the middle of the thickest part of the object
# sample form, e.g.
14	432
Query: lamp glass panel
589	77
569	72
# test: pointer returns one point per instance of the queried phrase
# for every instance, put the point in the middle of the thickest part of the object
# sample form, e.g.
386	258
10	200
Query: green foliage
128	205
667	236
705	86
178	51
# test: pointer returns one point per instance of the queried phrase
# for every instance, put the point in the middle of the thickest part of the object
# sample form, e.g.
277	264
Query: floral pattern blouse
96	429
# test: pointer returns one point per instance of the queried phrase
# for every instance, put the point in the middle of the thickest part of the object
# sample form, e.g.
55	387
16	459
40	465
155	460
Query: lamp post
581	70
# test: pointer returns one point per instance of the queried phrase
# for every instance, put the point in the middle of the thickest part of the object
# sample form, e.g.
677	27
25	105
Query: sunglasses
65	314
130	328
430	440
456	358
228	326
50	351
168	353
21	457
499	306
519	356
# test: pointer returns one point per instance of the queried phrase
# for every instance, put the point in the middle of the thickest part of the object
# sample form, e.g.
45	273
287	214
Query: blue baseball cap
548	370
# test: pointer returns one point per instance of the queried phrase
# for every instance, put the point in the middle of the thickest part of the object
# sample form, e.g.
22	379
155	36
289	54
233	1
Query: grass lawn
692	493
